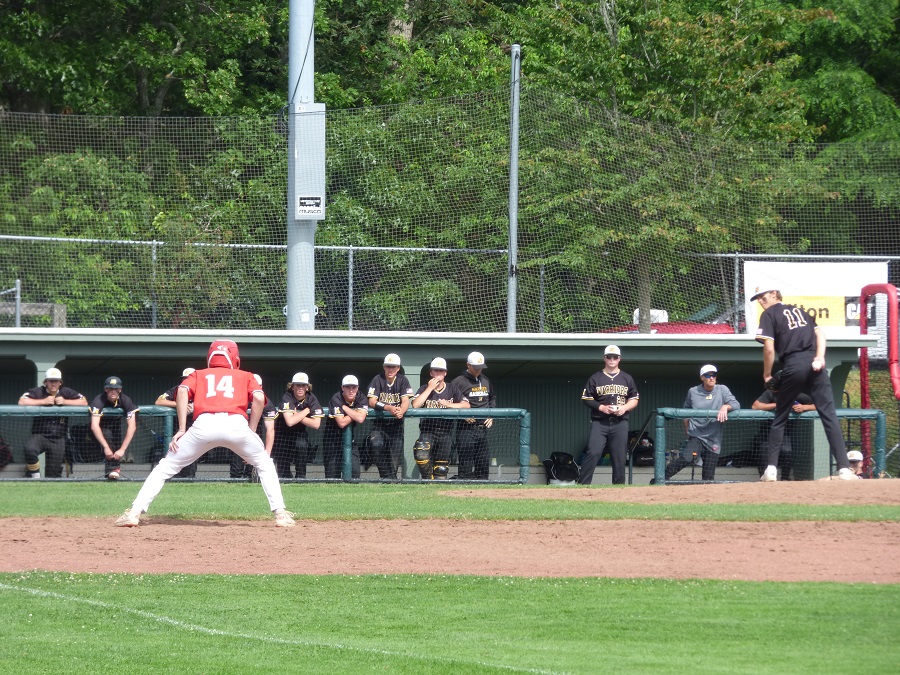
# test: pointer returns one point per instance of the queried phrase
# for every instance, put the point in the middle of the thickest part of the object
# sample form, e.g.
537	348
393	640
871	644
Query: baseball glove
774	382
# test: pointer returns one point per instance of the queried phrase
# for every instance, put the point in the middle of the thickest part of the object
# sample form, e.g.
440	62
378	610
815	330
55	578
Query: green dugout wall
541	373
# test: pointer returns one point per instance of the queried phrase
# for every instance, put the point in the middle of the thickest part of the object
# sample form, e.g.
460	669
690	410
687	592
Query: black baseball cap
113	382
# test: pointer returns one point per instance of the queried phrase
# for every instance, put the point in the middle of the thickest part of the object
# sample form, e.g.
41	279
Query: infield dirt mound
782	551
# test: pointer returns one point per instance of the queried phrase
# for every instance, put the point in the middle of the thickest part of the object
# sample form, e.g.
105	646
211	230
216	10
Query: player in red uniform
221	394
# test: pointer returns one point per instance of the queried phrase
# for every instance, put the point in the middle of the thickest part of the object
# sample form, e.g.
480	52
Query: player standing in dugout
471	433
791	333
610	394
392	393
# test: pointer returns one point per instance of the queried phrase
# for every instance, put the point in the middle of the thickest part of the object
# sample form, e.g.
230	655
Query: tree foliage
649	131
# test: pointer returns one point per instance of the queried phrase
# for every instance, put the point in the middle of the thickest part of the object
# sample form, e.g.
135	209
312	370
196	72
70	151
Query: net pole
524	447
512	282
659	452
880	443
347	463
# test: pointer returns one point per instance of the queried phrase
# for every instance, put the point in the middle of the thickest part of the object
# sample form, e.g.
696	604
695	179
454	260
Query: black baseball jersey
771	397
604	389
448	393
170	395
124	403
477	390
791	328
290	402
52	427
390	394
335	409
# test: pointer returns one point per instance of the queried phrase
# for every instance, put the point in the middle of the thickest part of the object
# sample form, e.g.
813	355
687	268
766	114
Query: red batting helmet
224	353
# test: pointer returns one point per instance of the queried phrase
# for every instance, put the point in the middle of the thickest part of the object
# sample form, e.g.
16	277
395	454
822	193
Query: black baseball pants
611	434
798	376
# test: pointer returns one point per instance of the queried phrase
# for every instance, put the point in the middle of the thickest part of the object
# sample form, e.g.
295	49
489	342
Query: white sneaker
114	474
770	475
284	518
33	474
846	474
128	519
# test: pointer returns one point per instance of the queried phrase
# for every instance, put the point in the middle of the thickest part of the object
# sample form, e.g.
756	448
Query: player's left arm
729	403
130	428
269	426
76	400
358	414
819	362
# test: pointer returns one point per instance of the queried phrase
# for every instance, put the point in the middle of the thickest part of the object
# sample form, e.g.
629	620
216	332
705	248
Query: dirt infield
788	551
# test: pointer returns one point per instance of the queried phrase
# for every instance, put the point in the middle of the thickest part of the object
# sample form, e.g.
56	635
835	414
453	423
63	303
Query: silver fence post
18	303
512	282
350	290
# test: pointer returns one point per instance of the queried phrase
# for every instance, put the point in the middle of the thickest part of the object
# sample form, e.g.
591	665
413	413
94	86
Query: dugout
541	373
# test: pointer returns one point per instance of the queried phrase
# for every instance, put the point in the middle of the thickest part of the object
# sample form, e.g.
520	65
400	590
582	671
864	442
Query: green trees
650	132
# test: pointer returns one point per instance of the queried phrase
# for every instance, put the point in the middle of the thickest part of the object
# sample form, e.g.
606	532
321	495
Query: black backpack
642	448
561	469
5	453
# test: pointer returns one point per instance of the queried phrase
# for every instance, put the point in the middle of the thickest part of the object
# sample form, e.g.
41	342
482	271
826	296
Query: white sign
827	290
310	206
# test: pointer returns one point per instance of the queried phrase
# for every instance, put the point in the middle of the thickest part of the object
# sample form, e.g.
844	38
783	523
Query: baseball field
790	577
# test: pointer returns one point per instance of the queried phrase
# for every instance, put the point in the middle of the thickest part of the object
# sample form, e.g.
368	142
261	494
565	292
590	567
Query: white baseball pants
211	430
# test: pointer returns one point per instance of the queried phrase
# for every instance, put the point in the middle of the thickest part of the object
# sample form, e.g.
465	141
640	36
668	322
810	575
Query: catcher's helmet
225	355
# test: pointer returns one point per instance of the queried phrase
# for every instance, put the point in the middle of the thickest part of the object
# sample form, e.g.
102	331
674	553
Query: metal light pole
306	169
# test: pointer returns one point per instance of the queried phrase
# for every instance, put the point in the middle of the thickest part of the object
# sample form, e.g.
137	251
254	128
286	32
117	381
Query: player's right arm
98	434
26	399
768	358
256	408
819	362
165	402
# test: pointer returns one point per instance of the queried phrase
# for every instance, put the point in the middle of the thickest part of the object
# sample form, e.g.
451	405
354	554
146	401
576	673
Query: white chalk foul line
192	627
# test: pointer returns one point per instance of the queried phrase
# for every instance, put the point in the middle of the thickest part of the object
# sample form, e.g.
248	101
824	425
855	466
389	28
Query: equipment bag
5	453
642	449
561	469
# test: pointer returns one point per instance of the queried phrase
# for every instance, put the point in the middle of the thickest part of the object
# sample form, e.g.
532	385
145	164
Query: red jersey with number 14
221	390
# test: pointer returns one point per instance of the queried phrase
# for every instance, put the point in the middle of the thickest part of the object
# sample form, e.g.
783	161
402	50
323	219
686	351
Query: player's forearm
820	344
74	401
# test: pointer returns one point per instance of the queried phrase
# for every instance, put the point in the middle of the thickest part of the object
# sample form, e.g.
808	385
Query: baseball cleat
284	518
114	474
128	519
770	475
846	474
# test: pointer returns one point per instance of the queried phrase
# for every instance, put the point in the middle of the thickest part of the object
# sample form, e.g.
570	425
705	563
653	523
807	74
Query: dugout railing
664	445
156	426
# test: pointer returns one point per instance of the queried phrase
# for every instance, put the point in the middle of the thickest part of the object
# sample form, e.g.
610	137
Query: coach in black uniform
610	394
471	434
48	434
392	393
792	334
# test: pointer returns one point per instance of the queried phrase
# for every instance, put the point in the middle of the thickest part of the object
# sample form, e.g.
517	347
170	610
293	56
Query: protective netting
84	458
743	454
180	223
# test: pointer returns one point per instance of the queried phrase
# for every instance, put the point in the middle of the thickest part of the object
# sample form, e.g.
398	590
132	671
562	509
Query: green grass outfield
318	501
107	623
